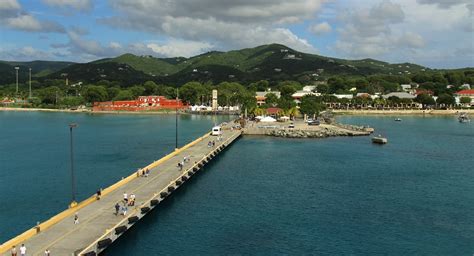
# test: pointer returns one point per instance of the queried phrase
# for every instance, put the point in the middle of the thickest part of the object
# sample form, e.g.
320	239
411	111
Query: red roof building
143	103
465	93
423	91
273	111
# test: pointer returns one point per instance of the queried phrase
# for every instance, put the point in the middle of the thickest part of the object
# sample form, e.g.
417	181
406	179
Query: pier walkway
98	225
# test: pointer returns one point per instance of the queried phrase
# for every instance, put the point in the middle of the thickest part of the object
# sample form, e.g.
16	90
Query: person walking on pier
98	193
23	250
76	218
117	209
124	209
13	251
125	197
47	252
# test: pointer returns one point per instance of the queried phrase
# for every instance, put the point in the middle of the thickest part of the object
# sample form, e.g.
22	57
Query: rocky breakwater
319	132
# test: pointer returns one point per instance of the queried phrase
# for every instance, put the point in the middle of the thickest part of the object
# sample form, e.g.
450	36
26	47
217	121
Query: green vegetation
237	75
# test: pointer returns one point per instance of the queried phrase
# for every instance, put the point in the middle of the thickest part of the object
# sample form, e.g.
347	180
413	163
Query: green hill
273	62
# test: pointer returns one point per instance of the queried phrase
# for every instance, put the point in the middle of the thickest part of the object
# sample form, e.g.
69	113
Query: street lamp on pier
73	181
30	95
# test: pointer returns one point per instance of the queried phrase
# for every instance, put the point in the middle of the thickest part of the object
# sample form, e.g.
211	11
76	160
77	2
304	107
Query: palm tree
293	112
259	111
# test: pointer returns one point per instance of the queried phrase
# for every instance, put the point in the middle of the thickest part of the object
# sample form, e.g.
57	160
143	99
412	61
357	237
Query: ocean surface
262	196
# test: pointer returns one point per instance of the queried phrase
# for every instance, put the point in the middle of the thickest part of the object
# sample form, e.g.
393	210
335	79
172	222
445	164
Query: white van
216	131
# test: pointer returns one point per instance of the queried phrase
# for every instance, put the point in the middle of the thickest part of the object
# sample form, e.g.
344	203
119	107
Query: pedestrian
124	209
47	252
13	251
147	172
76	218
125	197
98	193
132	199
23	250
117	208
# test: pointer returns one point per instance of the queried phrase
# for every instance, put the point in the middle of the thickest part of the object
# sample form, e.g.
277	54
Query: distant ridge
273	62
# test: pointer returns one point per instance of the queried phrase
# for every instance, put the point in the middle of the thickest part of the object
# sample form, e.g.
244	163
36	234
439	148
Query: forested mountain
272	62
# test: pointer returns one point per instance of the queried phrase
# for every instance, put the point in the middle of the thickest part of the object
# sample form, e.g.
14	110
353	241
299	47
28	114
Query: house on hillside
344	96
274	112
423	91
466	93
401	95
262	96
298	95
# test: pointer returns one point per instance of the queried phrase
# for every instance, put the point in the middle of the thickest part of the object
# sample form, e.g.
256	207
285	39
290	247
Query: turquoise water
268	196
35	181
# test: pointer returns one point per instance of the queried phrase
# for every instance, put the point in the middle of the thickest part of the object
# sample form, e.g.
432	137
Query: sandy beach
437	112
434	112
87	111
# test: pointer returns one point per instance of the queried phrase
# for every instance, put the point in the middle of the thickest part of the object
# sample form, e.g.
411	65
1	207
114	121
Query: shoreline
435	112
86	111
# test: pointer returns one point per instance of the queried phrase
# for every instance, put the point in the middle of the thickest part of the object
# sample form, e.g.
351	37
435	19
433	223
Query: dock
98	226
301	129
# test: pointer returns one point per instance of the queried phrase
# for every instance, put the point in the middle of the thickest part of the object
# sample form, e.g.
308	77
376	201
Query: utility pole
16	69
73	180
30	95
176	135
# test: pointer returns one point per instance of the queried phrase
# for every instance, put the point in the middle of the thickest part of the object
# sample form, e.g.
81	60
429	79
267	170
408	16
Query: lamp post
30	95
176	134
73	181
16	71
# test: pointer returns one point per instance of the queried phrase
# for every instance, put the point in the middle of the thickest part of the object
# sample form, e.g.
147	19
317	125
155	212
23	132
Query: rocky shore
301	131
321	133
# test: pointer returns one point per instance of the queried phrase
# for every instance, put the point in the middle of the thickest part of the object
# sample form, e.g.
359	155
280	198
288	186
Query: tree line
56	94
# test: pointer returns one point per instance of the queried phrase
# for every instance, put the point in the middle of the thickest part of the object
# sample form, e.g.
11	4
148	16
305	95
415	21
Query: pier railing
108	235
69	212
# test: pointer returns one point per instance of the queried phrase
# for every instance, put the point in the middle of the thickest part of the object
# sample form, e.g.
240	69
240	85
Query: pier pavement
98	225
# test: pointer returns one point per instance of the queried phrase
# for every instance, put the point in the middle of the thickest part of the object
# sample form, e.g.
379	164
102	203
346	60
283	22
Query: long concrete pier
98	226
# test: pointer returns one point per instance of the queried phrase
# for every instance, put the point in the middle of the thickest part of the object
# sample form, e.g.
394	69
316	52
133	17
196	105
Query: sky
433	33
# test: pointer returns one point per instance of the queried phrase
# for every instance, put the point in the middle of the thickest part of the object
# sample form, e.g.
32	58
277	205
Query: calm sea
262	196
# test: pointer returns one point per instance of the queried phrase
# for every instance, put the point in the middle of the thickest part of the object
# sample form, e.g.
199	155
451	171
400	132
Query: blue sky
434	33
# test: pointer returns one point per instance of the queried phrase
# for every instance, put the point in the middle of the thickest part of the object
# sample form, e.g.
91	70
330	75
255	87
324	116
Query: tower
214	100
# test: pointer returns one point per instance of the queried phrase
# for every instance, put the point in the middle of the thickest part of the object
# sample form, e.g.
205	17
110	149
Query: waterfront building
401	95
466	93
262	96
143	103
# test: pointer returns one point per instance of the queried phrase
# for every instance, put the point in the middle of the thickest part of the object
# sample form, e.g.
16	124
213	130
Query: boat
464	118
379	139
398	119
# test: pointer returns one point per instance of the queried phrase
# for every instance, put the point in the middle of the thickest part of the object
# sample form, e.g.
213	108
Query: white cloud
12	16
320	28
26	53
223	24
445	3
424	32
368	32
175	48
80	5
26	22
7	5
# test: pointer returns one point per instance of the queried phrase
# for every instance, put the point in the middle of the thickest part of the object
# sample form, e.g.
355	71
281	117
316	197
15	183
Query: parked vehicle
314	122
216	131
